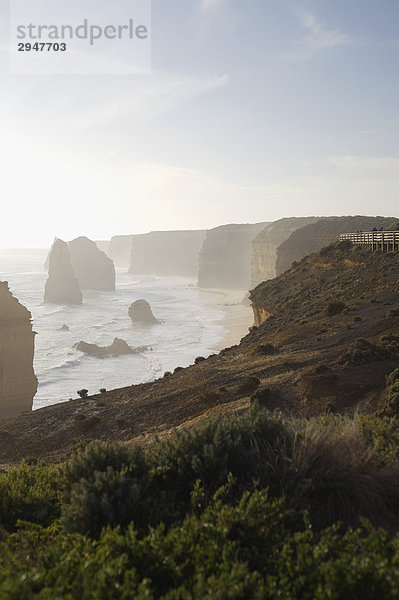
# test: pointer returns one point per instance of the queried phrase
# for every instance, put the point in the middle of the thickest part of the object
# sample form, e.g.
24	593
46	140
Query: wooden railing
387	241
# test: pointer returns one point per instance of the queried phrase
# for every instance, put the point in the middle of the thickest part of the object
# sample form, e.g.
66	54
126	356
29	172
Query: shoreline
237	319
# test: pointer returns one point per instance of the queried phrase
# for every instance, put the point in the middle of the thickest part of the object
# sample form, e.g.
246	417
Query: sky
253	110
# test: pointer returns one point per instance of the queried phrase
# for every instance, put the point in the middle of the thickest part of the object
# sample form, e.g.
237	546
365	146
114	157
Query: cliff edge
18	383
225	257
327	230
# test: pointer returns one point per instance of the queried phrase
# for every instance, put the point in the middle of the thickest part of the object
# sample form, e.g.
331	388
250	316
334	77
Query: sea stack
18	383
93	269
140	312
62	287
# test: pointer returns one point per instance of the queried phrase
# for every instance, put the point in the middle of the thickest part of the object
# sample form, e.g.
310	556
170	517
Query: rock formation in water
140	312
225	257
167	253
18	383
63	328
325	231
93	268
117	348
62	287
120	250
265	244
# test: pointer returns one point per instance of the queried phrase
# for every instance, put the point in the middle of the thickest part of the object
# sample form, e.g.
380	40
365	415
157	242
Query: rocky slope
325	231
265	244
62	287
18	383
166	253
120	250
303	360
93	269
225	257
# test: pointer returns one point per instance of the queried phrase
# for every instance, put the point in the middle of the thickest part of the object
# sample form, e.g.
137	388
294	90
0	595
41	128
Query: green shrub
363	351
28	493
334	307
248	385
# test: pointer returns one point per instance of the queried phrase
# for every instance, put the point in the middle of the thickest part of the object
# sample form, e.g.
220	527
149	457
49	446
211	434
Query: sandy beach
238	317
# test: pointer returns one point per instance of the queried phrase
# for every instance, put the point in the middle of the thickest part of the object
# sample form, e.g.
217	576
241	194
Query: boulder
117	348
18	383
62	287
140	312
93	269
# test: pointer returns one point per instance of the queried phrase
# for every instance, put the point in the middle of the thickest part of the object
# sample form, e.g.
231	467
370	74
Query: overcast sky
254	110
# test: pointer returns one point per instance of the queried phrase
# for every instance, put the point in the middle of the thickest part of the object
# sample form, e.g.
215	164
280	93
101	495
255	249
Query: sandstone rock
325	231
167	253
265	244
117	348
62	287
18	383
93	268
225	257
140	312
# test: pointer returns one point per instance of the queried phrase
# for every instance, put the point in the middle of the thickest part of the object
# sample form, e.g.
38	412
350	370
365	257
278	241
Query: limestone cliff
120	250
225	257
92	267
315	236
62	287
265	244
166	253
103	245
18	383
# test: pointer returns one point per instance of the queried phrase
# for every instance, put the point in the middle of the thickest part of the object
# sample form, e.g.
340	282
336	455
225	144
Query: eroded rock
93	269
140	312
18	383
62	287
118	348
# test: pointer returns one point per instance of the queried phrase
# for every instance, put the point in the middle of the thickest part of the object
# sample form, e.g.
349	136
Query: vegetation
393	312
334	307
83	393
363	351
250	506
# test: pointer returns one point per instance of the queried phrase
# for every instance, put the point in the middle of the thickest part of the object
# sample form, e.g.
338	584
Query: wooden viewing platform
386	241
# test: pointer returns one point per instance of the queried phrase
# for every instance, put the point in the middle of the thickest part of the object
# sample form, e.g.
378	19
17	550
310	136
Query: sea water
190	327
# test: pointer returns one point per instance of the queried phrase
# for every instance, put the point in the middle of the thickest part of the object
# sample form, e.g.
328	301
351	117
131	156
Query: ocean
190	327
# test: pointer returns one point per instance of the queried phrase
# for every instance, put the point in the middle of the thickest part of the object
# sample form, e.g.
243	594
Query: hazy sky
255	110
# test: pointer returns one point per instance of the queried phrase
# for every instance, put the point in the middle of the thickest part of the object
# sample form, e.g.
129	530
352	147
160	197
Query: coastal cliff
327	342
325	231
120	250
93	269
265	244
62	287
166	253
18	383
225	257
